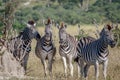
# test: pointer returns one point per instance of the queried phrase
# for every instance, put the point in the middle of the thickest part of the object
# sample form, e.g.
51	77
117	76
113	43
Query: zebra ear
108	27
65	26
34	24
31	23
62	24
57	25
49	21
28	25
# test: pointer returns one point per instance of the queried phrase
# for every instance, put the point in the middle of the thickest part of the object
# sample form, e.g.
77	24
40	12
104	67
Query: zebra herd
85	52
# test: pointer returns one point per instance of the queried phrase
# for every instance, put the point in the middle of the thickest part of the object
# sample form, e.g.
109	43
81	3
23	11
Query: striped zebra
96	52
83	41
22	43
67	48
45	49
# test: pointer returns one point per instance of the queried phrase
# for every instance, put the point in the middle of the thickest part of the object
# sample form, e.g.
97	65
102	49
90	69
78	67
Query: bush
81	34
69	12
18	26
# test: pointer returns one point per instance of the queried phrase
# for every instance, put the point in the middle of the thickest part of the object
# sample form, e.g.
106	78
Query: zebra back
81	43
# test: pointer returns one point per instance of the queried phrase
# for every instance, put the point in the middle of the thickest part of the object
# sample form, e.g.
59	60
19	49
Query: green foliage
81	34
112	12
7	10
18	26
107	10
69	11
116	1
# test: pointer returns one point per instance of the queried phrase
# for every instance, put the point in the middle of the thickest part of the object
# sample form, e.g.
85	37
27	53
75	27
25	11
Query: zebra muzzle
112	44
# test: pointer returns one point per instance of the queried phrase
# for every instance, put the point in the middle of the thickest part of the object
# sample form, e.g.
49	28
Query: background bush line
70	11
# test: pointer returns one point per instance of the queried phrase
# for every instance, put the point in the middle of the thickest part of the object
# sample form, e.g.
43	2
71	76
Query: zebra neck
102	47
47	45
66	46
103	43
47	42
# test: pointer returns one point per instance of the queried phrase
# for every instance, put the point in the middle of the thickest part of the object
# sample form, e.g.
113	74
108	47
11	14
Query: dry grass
35	68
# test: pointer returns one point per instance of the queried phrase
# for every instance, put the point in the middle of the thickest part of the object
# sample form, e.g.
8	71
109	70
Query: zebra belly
92	61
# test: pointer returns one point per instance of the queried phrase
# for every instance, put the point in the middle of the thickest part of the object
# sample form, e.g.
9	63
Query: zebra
67	48
82	42
96	52
24	40
45	49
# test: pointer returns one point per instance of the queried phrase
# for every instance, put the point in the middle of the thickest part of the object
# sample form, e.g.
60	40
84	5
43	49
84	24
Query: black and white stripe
83	41
67	48
22	43
45	48
96	52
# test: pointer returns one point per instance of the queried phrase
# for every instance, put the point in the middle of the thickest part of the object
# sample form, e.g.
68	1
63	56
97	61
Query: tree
7	14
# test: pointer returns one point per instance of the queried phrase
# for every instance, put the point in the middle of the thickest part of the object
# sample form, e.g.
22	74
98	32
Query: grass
35	68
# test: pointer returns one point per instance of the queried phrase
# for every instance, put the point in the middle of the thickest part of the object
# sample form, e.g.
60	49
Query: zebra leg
96	65
65	65
81	67
86	70
78	70
105	68
45	66
50	61
24	62
71	66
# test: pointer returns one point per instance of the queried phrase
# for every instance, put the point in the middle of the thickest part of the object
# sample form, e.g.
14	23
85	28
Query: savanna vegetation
69	11
15	14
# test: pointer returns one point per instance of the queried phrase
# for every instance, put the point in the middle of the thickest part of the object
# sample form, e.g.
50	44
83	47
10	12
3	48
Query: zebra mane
31	23
48	21
63	25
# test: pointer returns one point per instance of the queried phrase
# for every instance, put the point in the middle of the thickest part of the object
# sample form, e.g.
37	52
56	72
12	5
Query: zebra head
62	34
31	25
30	30
107	35
48	30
